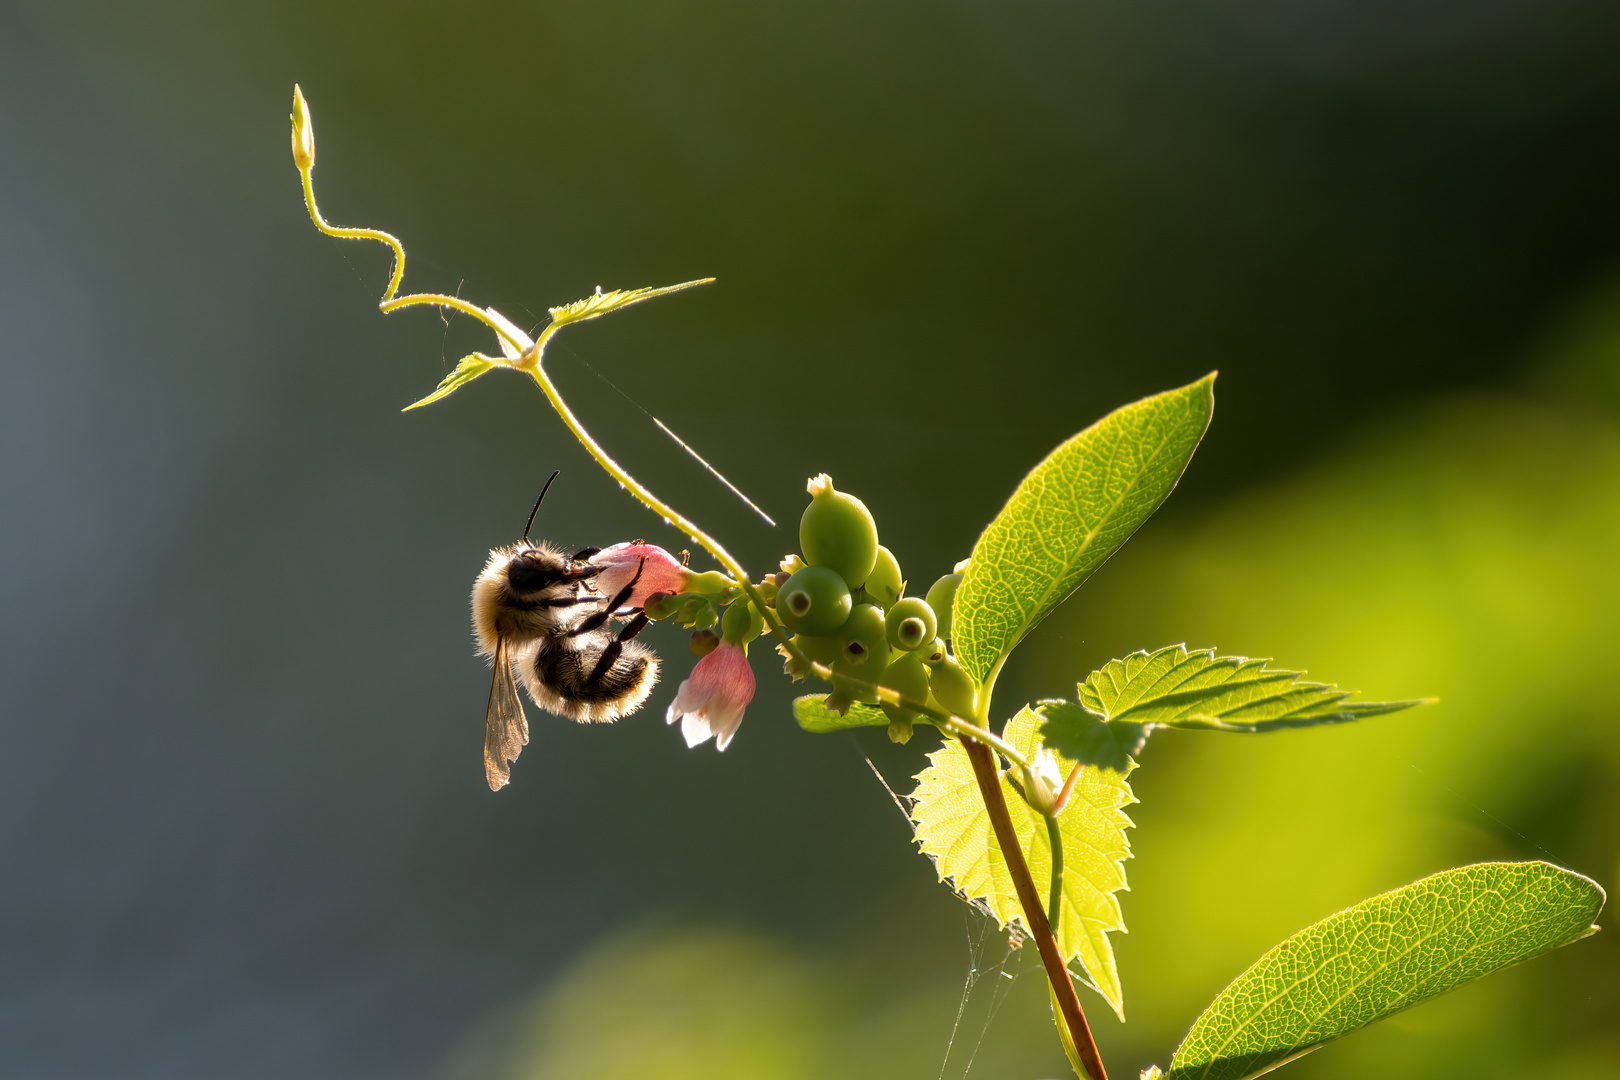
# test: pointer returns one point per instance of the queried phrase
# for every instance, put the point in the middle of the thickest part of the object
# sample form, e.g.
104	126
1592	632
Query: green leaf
603	302
1078	733
813	715
1384	955
1176	688
469	369
1069	515
953	829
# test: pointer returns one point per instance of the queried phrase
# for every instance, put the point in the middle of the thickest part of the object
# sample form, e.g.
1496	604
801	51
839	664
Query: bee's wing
506	729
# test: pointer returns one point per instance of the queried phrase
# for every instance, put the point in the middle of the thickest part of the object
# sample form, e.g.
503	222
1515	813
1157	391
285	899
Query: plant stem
1074	1017
1054	836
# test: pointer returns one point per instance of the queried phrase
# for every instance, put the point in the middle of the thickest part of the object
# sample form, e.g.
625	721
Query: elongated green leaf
601	302
813	715
1383	955
953	829
1123	701
1172	687
469	369
1069	515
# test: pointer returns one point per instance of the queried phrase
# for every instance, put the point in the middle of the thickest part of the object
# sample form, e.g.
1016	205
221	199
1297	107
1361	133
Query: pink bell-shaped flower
711	700
619	563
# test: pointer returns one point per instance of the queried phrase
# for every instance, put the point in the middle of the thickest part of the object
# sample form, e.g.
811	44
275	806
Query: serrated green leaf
953	829
1384	955
1069	515
465	372
603	302
813	715
1080	734
1172	687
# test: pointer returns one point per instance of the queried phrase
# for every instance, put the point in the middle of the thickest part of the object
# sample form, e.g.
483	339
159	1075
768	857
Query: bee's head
532	567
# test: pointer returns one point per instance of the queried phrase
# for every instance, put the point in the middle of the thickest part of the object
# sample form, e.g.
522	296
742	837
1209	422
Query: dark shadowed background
243	824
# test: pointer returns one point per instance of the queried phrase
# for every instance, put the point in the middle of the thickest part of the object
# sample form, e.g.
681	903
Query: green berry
818	650
837	531
741	623
866	642
814	601
823	650
907	676
910	624
884	584
932	654
941	596
952	687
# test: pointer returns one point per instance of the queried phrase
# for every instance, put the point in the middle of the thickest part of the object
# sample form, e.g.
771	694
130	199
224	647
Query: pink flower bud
617	565
711	700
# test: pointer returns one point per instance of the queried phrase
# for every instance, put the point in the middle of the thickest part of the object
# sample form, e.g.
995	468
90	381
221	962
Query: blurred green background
242	819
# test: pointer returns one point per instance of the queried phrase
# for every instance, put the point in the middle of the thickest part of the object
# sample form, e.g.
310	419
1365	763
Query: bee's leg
591	622
610	652
584	553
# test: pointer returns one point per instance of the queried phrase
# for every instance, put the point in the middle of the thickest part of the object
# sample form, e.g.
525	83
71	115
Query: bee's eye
528	572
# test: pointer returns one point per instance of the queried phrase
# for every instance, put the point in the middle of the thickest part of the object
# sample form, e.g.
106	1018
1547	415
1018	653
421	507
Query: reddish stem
1074	1017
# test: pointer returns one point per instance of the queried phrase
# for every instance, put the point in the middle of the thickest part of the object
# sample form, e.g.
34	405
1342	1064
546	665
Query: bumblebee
538	619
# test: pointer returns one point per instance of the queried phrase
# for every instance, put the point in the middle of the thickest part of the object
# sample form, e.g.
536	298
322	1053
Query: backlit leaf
1384	955
603	302
813	715
469	369
953	829
1069	515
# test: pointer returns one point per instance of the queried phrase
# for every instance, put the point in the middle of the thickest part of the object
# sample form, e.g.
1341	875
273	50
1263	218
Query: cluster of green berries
844	601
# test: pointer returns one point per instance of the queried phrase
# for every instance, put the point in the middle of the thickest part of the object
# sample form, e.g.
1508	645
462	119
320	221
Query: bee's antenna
537	503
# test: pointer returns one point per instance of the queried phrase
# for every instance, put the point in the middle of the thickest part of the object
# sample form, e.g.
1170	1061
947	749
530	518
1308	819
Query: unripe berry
837	531
866	643
910	624
814	601
907	676
932	654
952	687
941	597
741	623
823	650
819	650
884	584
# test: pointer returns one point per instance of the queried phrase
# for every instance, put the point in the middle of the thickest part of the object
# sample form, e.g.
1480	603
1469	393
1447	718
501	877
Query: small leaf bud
1042	782
941	597
884	583
767	589
910	624
837	531
303	133
814	601
704	642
